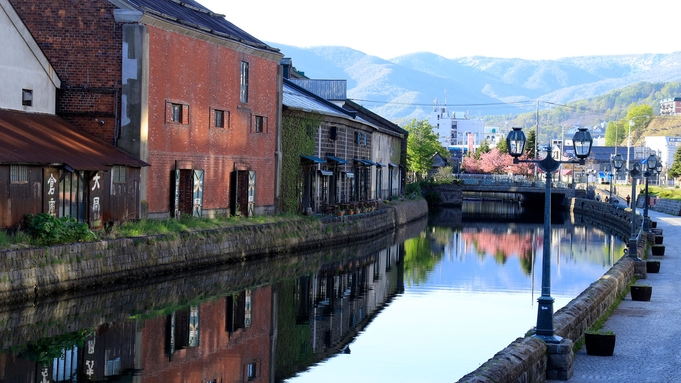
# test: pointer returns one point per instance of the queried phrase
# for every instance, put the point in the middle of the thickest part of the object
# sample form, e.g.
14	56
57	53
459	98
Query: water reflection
429	308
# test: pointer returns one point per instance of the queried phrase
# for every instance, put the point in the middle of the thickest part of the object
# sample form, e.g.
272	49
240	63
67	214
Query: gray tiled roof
194	15
296	97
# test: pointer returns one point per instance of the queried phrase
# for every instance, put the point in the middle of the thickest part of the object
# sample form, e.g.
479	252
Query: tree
530	143
638	116
422	144
612	131
675	170
501	145
484	147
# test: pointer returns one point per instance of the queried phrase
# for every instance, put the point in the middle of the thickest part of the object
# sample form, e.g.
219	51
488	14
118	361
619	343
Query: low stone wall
526	359
667	206
27	273
450	194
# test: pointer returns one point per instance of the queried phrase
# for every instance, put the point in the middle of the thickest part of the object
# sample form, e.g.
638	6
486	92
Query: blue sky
529	29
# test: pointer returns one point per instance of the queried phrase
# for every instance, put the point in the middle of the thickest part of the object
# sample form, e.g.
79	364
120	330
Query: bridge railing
510	180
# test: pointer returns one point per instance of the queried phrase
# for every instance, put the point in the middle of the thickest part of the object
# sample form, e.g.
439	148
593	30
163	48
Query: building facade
49	165
457	130
670	107
177	86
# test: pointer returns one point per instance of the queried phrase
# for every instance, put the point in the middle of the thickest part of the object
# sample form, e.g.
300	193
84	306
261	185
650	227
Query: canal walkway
648	345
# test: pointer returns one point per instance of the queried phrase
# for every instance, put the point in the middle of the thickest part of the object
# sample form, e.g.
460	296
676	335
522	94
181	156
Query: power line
444	105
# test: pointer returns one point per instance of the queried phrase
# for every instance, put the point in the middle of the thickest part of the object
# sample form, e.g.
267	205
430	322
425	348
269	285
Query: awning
364	162
325	173
392	165
601	174
337	160
380	165
46	139
310	159
349	174
567	172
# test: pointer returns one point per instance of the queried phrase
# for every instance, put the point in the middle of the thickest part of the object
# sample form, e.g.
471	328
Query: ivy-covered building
334	155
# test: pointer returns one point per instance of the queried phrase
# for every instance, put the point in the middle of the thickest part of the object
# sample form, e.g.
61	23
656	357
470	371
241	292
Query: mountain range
407	87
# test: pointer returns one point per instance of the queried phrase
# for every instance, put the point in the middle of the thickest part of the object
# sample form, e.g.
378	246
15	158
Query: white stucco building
457	129
27	80
665	147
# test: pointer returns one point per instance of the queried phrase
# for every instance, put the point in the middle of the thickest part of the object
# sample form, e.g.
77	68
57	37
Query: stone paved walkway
648	345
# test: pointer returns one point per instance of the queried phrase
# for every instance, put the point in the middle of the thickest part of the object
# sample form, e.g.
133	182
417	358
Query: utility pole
536	137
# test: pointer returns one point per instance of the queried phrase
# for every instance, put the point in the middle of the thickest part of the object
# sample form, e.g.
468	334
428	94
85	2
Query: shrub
414	188
48	230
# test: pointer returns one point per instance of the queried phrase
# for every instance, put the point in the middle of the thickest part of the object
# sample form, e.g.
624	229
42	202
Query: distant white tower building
458	129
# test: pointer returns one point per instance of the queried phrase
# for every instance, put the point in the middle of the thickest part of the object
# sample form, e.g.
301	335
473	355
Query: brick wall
83	44
204	77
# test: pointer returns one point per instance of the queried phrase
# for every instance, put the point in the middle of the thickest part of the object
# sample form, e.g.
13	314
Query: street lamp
612	170
631	123
581	142
651	165
617	162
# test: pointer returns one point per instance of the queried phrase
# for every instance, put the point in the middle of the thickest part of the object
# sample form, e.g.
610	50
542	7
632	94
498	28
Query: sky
527	29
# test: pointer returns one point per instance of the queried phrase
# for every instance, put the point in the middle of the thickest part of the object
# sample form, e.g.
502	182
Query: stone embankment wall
525	359
86	309
667	206
27	273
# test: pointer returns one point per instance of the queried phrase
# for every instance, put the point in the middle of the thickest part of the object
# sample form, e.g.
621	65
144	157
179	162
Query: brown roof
40	139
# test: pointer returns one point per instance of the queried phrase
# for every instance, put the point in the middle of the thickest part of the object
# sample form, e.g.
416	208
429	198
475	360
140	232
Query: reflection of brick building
224	340
232	342
332	307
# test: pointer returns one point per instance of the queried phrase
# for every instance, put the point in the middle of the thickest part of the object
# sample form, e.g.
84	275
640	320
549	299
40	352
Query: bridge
507	189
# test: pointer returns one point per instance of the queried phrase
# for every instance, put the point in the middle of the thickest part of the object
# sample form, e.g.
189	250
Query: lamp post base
633	250
549	339
545	329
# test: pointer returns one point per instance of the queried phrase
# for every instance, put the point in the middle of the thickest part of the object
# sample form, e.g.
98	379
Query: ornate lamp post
581	142
651	165
617	163
634	172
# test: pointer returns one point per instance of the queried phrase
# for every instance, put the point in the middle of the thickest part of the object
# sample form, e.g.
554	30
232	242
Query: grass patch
148	227
665	193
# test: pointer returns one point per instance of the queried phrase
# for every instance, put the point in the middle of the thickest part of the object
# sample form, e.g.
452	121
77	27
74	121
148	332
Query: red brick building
177	86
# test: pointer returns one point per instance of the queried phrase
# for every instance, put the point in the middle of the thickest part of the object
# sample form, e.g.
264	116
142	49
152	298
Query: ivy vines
298	132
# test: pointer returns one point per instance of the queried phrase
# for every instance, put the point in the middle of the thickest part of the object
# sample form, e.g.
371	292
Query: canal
431	304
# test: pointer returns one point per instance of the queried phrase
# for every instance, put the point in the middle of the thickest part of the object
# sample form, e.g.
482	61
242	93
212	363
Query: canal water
431	303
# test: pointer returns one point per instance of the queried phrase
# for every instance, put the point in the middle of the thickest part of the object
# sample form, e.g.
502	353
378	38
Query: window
27	97
176	113
251	371
218	118
259	124
244	82
18	174
118	175
332	132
